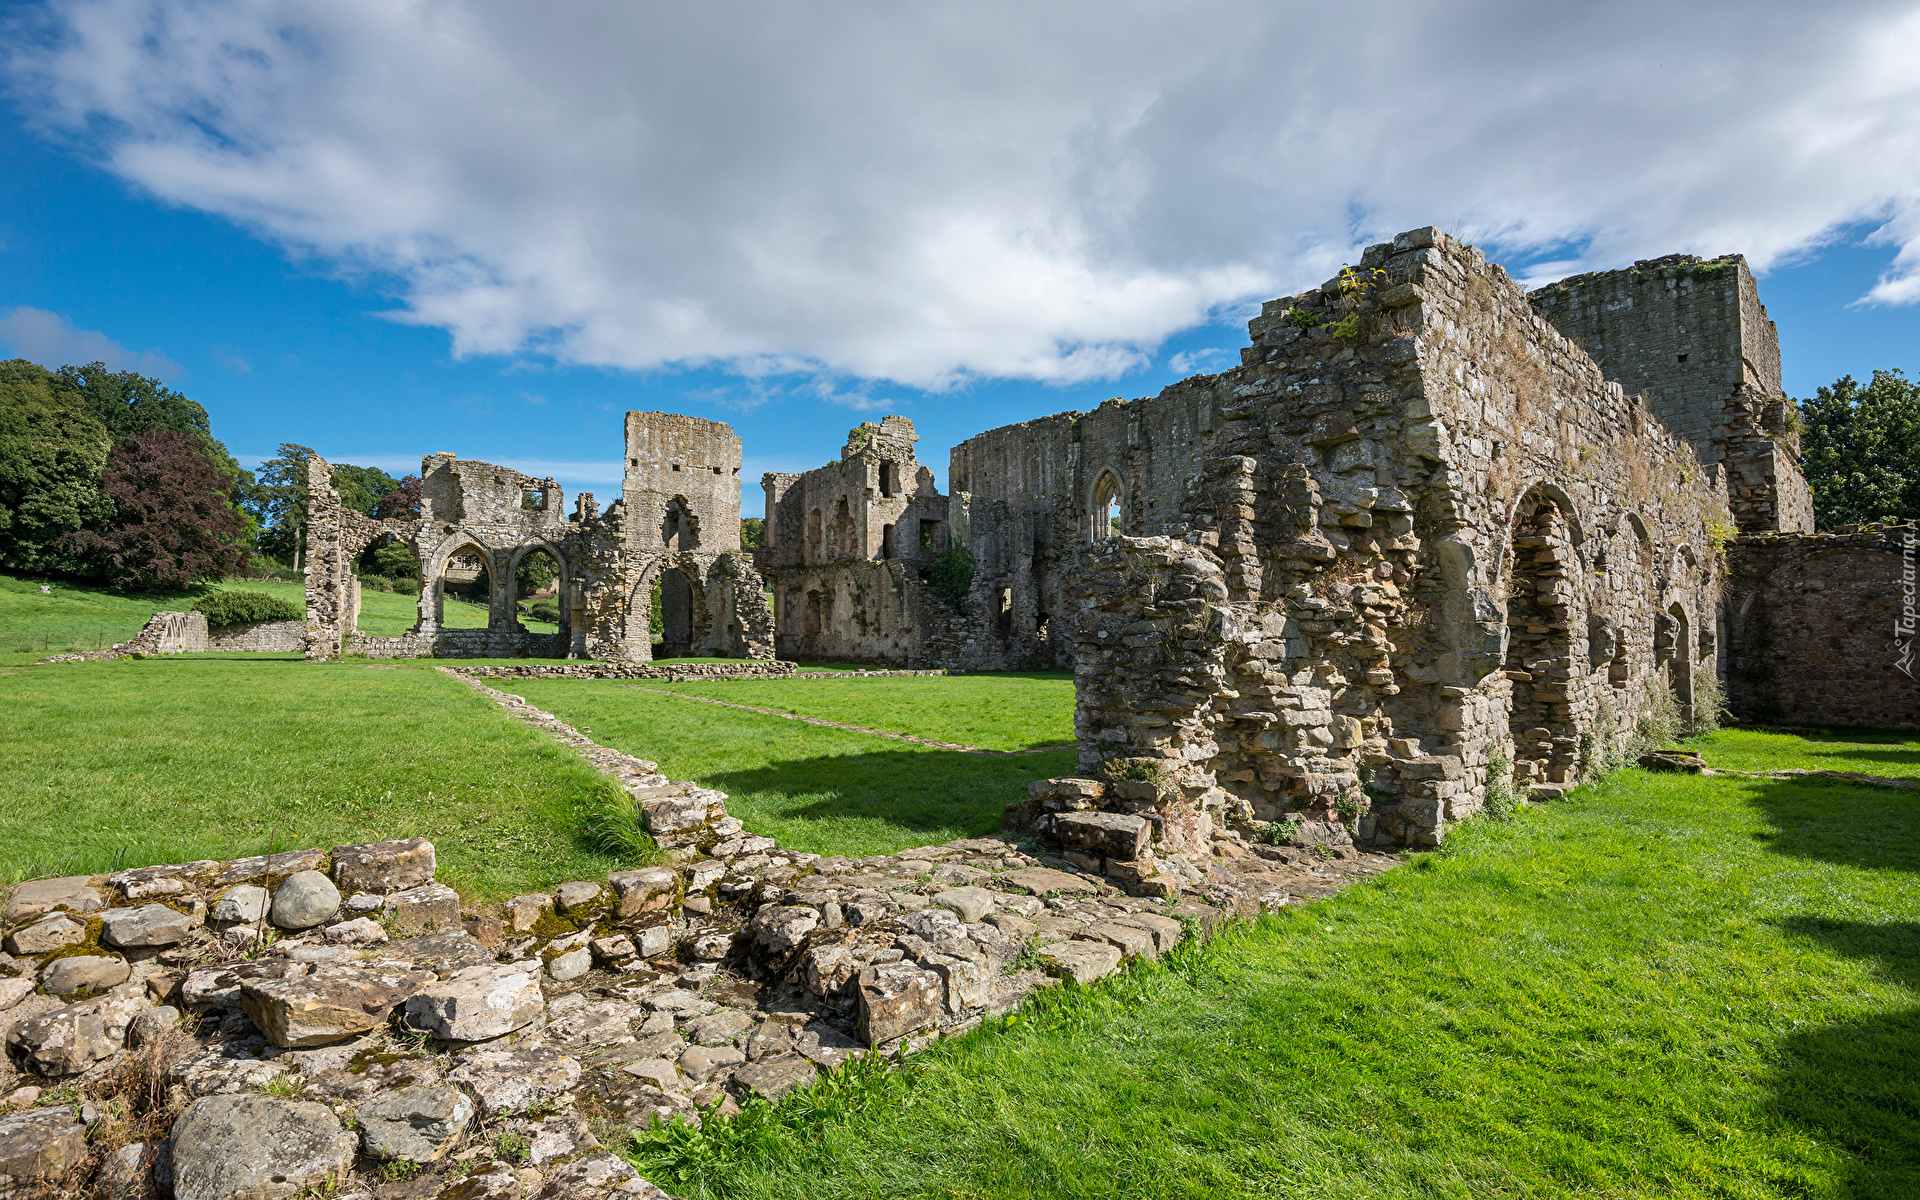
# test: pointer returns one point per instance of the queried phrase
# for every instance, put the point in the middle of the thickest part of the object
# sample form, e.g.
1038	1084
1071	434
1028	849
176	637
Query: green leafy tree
753	533
129	404
52	450
363	488
1860	448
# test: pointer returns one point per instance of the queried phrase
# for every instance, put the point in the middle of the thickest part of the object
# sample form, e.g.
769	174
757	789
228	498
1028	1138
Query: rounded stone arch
679	525
1682	553
1107	503
1545	622
1545	489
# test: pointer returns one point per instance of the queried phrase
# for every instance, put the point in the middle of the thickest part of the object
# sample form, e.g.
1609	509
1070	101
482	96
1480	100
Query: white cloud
928	193
1214	358
51	340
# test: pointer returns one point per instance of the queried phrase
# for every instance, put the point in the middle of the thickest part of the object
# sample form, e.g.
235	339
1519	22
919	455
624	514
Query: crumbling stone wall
1819	627
1694	337
849	548
260	637
1033	490
1428	539
682	481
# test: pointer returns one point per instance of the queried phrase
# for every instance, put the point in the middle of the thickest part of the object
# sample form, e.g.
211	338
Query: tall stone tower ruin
1693	337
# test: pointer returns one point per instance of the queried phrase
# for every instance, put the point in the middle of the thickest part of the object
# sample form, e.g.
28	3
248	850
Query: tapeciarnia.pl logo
1903	625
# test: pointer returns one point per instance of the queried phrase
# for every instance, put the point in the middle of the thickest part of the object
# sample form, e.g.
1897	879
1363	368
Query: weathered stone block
36	896
645	890
382	867
1079	960
328	1004
38	1148
896	999
258	1147
1110	835
148	925
477	1003
430	908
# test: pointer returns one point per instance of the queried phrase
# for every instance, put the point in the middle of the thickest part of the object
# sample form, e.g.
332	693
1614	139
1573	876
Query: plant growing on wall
952	575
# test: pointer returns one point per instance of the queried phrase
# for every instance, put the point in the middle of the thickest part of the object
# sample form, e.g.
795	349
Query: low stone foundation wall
461	643
770	669
266	637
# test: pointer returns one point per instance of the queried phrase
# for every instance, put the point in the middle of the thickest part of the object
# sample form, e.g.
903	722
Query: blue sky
478	259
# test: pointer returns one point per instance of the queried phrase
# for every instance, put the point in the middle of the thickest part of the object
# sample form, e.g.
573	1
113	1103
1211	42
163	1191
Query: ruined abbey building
1433	533
677	524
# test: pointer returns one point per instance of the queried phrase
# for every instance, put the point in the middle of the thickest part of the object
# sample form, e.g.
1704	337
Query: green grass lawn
1665	986
821	790
79	617
1888	754
995	711
114	764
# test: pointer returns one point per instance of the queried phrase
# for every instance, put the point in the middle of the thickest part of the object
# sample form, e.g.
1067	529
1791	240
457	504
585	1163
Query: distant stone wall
267	637
1814	633
764	669
1693	337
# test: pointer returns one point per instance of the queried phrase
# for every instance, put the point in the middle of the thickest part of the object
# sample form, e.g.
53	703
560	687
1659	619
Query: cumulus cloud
931	193
50	339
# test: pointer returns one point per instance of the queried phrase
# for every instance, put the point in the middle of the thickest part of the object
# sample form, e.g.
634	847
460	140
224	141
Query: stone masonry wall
1819	627
270	637
1694	337
1429	535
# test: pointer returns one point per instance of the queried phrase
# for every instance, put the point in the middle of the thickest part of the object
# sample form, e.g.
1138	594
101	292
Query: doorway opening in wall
889	481
538	592
1109	518
464	590
1680	663
1003	611
682	613
929	535
886	541
815	616
388	565
1541	658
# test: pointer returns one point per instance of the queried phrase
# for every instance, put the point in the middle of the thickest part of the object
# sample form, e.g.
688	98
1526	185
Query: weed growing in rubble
1500	801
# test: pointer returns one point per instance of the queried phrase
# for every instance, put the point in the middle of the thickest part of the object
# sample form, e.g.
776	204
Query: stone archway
1108	511
1544	626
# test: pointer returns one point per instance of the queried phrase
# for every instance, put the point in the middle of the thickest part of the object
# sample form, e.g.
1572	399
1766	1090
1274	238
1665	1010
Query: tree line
113	477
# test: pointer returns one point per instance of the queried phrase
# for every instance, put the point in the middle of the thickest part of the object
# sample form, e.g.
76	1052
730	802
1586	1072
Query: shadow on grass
1904	757
1851	1085
1868	827
918	791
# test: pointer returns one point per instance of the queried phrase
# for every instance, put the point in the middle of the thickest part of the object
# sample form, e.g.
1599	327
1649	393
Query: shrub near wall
247	608
252	621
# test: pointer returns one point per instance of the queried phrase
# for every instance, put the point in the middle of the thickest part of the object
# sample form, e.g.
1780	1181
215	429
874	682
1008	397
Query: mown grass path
1665	986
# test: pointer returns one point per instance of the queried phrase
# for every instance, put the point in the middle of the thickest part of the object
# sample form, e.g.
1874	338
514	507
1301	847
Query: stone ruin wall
678	521
1326	636
849	549
1816	633
1031	492
1694	337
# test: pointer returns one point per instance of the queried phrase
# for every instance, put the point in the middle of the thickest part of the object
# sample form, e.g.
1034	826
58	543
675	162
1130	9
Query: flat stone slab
38	1148
509	1078
477	1003
44	895
1079	960
1039	881
327	1004
260	1147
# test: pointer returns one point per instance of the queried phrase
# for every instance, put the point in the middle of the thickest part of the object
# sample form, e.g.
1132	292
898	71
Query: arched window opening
1680	654
1542	661
538	592
679	527
815	617
930	535
1003	612
840	537
1109	515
